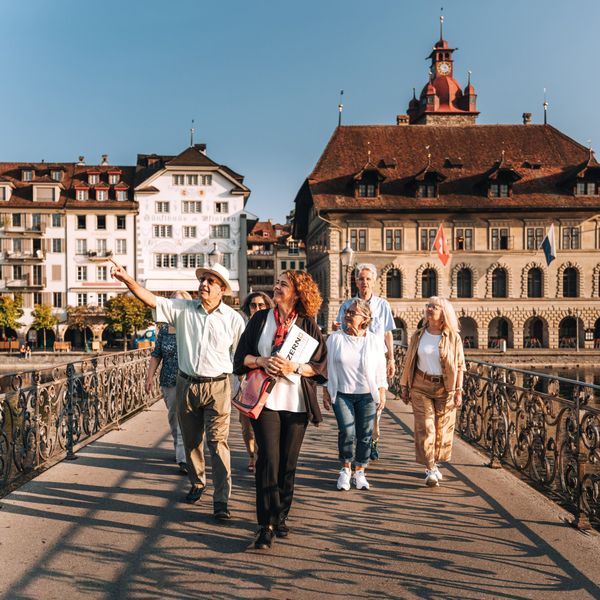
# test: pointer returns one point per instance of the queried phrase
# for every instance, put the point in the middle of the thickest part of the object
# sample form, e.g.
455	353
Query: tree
126	315
11	310
80	317
43	319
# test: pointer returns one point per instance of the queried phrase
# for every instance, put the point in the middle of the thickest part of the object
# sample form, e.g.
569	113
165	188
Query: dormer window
93	178
82	194
113	178
3	193
121	195
56	174
27	175
586	188
427	190
367	190
102	195
499	190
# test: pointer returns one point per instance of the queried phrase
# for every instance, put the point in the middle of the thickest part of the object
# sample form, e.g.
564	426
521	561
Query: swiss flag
441	245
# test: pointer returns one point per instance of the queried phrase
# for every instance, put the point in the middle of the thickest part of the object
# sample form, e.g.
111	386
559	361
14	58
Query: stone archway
536	333
524	279
489	277
469	332
500	329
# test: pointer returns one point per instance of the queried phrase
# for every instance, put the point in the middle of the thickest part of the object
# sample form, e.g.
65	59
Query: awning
189	285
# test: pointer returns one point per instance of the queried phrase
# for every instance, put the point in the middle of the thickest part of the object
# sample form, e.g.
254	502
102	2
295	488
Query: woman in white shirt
431	380
356	387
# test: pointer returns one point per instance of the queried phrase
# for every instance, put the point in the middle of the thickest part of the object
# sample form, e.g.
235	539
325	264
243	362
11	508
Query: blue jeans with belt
355	415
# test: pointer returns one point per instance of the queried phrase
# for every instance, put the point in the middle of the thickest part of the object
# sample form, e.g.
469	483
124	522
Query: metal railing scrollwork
46	414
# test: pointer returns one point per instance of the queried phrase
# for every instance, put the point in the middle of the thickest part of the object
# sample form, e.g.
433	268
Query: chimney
201	148
401	119
526	118
104	159
81	161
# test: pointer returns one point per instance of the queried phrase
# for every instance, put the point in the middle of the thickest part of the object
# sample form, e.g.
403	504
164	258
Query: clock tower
442	101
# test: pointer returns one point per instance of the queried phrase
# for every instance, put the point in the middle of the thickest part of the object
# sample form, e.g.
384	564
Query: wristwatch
298	369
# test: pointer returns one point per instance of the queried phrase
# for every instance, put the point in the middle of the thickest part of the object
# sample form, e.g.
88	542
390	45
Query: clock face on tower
443	68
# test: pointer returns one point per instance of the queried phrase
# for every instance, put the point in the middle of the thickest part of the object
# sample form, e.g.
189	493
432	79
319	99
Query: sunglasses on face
433	306
210	281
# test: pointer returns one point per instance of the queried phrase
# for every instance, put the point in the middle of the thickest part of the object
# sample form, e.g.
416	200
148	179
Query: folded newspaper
299	347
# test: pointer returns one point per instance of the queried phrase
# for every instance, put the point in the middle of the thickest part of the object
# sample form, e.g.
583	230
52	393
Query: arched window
394	283
464	283
429	283
499	288
570	283
534	283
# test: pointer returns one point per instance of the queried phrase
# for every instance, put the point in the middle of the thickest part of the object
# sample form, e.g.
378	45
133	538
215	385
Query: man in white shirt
207	335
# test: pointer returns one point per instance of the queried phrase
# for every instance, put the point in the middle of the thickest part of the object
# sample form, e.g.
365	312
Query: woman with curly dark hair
292	403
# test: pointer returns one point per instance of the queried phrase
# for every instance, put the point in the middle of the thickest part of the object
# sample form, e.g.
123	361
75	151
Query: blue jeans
355	415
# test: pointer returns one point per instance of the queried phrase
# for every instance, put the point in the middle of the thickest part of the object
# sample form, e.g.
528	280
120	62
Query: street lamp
346	256
214	256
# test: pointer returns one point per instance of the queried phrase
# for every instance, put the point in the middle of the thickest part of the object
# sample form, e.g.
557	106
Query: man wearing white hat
207	335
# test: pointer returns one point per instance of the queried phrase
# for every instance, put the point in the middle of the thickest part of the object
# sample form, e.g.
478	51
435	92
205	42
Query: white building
189	206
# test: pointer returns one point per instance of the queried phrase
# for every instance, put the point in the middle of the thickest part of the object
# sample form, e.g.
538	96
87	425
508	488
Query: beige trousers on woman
435	415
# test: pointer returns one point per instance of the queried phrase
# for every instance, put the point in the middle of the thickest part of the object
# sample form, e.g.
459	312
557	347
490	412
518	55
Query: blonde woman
431	381
165	351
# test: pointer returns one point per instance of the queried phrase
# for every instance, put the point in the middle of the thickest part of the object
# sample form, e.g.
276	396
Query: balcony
99	256
260	253
20	230
26	282
17	257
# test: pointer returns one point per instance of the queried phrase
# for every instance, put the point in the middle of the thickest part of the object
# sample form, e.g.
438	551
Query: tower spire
442	24
192	131
545	108
340	108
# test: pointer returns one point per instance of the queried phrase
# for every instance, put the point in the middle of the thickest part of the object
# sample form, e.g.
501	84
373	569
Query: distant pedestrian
165	351
356	388
281	425
382	324
207	334
27	351
252	304
431	380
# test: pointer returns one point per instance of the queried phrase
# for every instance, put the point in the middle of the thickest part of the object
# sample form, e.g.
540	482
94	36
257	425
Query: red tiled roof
482	150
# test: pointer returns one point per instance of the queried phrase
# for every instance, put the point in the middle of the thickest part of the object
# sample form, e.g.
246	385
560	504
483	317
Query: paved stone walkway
112	525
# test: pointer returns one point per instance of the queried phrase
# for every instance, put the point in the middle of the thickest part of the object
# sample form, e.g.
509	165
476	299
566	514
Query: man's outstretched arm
141	293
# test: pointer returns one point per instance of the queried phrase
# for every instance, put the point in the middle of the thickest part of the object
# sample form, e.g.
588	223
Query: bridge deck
112	525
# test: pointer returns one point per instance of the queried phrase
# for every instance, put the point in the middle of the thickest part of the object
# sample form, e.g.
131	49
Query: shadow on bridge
112	525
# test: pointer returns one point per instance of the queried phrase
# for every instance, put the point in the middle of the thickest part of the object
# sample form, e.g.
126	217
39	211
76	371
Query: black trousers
279	436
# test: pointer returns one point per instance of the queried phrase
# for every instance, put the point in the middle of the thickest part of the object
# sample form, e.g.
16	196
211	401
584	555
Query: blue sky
261	78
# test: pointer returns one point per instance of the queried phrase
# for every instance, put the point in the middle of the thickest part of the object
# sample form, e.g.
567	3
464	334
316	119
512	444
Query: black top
248	344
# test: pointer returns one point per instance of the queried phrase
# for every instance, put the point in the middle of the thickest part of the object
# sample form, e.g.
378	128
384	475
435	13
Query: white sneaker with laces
431	479
438	473
359	480
343	482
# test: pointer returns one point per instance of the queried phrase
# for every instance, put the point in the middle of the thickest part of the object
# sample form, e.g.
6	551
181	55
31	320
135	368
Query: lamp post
215	256
346	256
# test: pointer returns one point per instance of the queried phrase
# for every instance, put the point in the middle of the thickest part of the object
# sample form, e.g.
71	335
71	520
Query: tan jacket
451	356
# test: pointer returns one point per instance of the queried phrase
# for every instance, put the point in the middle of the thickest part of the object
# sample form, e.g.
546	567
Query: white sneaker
431	479
343	482
438	473
359	480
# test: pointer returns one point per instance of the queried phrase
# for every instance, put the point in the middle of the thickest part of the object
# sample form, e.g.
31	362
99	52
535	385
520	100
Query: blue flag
549	245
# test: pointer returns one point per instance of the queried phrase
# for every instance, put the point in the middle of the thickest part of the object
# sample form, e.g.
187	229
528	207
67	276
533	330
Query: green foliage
127	314
82	317
43	319
11	310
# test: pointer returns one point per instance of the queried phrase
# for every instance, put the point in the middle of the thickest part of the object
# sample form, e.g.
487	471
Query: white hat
218	271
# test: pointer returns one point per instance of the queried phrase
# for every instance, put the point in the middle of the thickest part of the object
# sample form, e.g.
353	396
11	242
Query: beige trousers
204	410
435	415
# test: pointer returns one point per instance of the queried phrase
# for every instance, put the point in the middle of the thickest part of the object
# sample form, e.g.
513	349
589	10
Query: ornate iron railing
46	414
546	428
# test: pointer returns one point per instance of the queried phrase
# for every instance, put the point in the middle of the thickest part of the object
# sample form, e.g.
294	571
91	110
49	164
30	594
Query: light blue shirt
381	312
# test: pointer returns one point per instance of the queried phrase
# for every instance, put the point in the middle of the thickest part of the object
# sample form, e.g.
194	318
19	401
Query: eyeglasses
258	305
433	306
